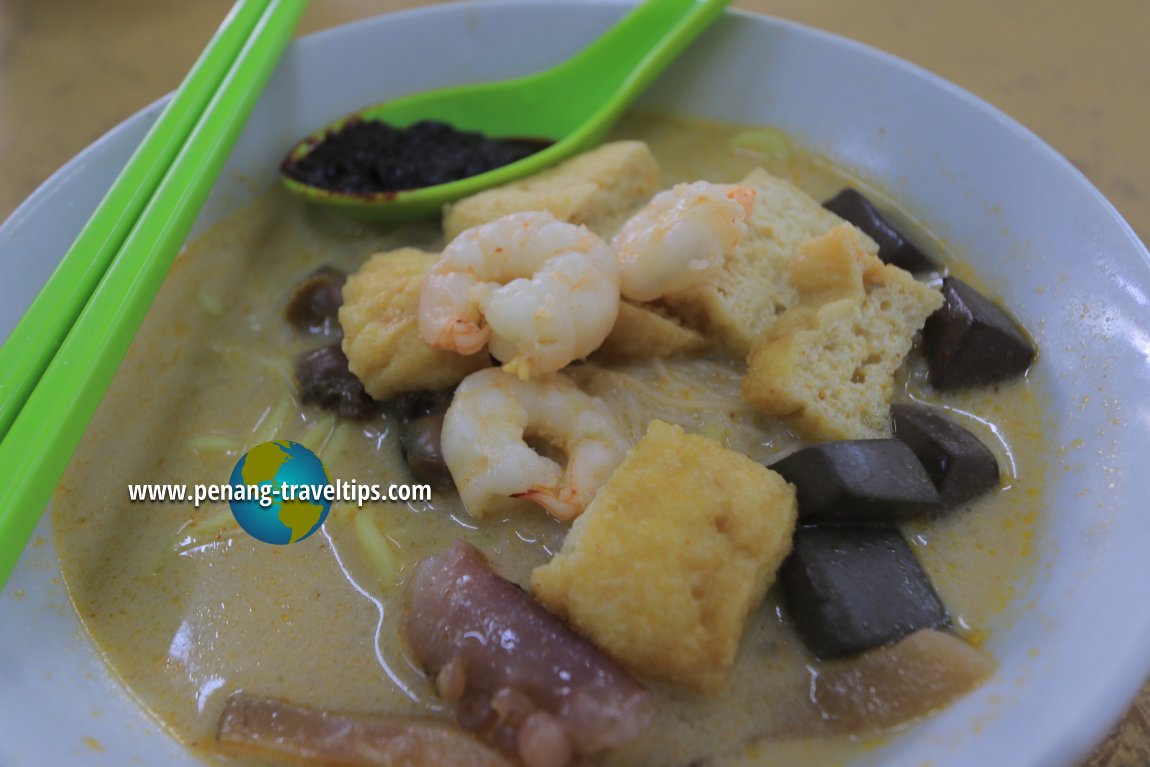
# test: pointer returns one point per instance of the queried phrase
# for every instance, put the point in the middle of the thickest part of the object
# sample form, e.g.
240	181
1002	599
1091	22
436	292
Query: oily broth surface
187	610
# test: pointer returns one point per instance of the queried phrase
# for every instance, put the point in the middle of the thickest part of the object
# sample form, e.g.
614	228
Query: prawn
484	445
538	291
680	238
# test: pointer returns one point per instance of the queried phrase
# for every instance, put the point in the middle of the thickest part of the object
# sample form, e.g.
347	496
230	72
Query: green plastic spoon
573	103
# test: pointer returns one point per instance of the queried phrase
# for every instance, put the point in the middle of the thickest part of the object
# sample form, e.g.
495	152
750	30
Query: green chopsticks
40	332
61	357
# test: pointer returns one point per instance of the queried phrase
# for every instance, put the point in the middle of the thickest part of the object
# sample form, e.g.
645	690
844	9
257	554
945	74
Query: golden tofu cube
380	319
754	287
671	556
827	366
642	331
598	189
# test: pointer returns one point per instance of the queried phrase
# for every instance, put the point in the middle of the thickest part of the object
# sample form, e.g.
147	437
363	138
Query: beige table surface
1077	73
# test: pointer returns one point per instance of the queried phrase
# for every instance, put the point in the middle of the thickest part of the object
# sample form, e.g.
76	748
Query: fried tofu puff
671	556
827	366
380	319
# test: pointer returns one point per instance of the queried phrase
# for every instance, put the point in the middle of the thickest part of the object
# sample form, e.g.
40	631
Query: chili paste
371	157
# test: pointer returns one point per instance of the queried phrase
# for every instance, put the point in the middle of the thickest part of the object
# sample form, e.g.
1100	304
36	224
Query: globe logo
288	492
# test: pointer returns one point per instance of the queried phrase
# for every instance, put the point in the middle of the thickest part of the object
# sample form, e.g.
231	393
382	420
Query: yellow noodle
273	422
318	434
337	441
379	550
210	304
220	524
213	444
238	360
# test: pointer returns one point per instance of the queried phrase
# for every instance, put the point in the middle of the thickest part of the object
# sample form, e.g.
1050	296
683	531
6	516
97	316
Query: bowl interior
1075	647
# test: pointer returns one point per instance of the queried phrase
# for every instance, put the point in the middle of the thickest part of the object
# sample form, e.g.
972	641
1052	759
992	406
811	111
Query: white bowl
1030	224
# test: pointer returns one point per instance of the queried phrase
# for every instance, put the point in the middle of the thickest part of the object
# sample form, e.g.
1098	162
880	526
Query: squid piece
522	678
897	683
276	727
884	688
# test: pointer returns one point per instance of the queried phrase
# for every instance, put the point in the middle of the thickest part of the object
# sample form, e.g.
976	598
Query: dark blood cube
864	480
960	466
893	248
971	341
850	589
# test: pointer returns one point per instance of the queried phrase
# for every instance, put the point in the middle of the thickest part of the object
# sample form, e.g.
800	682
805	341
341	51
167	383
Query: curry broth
188	609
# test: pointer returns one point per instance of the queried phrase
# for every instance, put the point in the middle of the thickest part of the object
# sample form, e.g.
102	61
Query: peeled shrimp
680	238
484	445
539	291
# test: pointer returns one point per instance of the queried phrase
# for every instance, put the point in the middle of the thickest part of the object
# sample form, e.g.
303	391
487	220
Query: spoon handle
622	62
